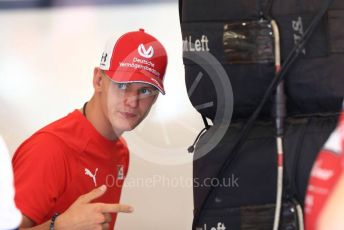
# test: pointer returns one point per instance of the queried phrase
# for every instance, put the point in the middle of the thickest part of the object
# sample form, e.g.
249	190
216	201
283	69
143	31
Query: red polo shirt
64	160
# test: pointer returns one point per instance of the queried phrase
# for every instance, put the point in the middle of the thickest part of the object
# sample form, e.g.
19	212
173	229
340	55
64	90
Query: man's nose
132	99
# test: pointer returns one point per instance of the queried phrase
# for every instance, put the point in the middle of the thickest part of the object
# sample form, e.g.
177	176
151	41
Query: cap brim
131	77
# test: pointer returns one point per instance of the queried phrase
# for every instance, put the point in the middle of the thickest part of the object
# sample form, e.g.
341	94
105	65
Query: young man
69	174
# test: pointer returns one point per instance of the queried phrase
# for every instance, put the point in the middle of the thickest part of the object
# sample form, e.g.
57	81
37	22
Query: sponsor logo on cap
104	57
146	53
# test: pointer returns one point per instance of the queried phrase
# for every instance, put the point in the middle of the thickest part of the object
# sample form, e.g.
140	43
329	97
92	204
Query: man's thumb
94	194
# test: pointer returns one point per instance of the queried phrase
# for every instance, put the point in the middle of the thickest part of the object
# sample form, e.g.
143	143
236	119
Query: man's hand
85	215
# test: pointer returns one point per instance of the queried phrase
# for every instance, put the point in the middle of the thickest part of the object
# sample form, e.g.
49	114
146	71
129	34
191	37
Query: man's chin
127	128
121	126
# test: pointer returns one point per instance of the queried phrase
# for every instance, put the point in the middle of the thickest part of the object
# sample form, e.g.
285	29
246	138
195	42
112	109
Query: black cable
192	147
295	52
204	118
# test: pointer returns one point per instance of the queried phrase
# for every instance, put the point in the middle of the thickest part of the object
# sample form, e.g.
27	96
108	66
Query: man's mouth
128	114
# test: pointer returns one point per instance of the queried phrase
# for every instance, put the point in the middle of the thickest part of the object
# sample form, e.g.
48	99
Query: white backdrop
46	63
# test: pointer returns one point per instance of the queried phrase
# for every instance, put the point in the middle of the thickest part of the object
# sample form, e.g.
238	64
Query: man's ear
97	79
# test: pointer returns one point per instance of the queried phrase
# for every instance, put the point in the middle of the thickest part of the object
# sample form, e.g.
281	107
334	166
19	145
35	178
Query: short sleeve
39	166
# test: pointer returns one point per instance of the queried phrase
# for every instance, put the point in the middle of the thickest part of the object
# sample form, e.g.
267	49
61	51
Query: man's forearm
28	224
43	226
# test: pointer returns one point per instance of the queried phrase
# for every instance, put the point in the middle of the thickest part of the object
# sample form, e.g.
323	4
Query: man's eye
146	91
122	85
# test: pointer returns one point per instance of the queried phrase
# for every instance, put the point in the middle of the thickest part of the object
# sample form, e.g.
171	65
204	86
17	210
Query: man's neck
94	114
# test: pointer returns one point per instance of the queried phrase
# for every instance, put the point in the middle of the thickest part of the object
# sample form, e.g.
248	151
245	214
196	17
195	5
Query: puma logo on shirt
93	176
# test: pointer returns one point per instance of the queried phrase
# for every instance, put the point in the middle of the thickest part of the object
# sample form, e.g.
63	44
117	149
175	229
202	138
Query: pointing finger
113	208
95	193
